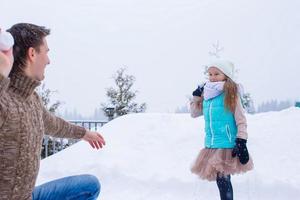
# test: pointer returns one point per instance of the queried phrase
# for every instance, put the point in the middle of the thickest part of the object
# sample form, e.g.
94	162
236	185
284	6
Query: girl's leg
225	187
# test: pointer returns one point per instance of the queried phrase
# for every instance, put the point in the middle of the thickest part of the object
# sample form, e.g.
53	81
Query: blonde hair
231	94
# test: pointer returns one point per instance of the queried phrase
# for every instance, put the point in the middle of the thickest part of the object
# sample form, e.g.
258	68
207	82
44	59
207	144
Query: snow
148	157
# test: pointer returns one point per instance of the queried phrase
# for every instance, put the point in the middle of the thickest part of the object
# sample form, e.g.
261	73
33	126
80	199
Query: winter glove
198	92
240	150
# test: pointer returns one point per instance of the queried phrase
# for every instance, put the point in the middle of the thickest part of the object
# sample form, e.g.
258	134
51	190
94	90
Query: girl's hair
231	94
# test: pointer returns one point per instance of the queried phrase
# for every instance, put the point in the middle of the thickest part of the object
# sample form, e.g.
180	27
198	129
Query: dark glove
240	150
198	92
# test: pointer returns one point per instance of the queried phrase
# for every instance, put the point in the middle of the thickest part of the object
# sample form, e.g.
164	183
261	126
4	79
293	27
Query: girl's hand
240	150
198	92
6	62
94	138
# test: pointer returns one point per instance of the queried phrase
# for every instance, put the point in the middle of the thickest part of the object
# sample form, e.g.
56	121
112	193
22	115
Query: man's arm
6	62
6	59
58	127
4	82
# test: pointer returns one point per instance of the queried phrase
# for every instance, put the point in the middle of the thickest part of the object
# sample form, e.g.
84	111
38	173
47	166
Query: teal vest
220	125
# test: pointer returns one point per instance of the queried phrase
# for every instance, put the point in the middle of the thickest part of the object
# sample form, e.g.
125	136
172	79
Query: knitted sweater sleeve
4	83
58	127
196	106
240	120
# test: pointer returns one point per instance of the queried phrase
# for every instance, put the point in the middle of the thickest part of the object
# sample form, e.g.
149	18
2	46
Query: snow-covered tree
182	109
216	51
45	94
248	103
121	97
274	105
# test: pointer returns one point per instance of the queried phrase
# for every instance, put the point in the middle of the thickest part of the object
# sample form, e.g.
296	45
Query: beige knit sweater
23	122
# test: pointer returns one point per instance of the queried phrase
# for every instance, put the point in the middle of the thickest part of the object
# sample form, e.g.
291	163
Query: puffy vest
220	125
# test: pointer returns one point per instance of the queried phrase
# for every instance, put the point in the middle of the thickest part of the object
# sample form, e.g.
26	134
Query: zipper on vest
228	132
210	123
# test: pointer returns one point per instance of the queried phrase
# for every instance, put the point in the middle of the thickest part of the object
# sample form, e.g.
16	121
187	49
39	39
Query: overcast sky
164	44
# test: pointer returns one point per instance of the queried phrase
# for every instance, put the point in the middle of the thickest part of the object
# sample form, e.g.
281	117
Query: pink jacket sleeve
196	106
241	121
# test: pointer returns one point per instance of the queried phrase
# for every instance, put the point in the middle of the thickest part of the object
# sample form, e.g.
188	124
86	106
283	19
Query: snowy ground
148	157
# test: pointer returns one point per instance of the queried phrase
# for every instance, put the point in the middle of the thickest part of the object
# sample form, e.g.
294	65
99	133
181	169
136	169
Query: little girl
225	151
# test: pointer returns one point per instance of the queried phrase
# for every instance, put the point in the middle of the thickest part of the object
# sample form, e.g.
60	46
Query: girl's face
214	75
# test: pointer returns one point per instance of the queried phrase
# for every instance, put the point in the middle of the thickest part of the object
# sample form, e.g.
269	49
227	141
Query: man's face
41	59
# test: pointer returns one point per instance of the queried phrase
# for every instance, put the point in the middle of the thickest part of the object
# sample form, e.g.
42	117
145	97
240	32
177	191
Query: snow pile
148	156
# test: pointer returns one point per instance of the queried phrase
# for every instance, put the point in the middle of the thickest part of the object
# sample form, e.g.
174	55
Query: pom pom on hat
6	41
226	66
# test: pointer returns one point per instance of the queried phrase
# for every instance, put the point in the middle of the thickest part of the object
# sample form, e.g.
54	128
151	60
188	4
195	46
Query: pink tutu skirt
210	162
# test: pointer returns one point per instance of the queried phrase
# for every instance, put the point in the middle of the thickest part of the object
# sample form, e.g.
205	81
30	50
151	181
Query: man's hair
26	35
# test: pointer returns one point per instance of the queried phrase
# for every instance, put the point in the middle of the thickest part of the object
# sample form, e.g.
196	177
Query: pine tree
274	105
121	98
45	95
248	103
217	49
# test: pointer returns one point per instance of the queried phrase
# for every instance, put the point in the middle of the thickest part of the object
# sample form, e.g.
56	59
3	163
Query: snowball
6	41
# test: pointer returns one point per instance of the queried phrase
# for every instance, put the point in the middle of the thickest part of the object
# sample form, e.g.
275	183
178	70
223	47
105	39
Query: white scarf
213	89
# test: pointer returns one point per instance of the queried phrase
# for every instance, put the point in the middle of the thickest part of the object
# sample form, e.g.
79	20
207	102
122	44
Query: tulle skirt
210	162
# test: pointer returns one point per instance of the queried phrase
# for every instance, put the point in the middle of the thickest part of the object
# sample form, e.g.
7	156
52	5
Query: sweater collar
22	84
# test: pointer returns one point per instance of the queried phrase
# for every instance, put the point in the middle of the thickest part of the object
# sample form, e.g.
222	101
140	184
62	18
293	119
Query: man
24	120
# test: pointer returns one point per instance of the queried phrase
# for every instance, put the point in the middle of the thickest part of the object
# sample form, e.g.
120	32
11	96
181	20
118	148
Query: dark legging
225	187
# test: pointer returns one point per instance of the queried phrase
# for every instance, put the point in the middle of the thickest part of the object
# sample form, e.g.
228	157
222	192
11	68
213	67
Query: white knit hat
225	66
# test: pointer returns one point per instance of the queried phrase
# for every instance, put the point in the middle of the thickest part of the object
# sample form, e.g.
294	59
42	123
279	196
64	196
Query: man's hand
6	62
94	138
